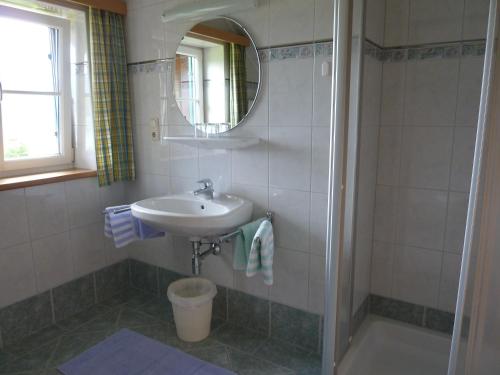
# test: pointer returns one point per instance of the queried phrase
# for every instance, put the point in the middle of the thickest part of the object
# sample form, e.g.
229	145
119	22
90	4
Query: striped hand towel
124	228
262	252
119	226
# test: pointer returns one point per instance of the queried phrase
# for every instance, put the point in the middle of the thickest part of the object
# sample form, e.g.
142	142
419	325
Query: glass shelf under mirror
226	143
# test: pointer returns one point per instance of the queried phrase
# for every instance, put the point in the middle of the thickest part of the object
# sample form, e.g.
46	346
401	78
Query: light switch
325	69
154	124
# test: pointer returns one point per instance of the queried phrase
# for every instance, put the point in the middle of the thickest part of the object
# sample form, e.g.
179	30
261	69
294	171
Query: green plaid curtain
238	104
110	98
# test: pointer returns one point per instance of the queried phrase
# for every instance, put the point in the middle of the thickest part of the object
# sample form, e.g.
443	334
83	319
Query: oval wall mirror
217	75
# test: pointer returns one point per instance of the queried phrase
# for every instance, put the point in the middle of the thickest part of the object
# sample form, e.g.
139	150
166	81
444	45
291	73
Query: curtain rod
115	6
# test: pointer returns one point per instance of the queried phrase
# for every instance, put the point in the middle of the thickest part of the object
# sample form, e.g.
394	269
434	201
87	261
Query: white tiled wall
426	111
367	177
52	234
410	22
367	155
286	173
428	116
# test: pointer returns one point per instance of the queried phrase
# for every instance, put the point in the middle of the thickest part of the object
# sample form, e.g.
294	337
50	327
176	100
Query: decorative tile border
26	317
297	327
406	312
263	55
474	49
249	311
372	50
73	297
303	51
284	323
360	315
441	51
294	52
325	49
36	313
397	310
438	320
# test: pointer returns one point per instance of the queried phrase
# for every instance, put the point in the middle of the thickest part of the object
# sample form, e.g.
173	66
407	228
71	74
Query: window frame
66	156
198	54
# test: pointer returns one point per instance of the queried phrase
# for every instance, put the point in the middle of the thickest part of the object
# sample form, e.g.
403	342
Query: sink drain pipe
199	255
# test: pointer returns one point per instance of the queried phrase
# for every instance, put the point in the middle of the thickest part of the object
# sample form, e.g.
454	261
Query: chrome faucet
207	190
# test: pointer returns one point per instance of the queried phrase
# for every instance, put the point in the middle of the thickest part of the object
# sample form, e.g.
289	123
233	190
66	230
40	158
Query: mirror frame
257	92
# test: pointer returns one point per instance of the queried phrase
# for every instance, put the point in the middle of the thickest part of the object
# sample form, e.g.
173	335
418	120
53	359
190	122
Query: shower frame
343	157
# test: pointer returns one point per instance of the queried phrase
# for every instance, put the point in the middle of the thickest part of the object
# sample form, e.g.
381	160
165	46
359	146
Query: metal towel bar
227	237
118	211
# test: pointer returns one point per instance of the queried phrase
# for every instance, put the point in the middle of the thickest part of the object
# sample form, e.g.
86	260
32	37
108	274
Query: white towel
262	253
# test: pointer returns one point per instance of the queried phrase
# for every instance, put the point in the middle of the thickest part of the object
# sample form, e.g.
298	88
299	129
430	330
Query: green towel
262	253
243	244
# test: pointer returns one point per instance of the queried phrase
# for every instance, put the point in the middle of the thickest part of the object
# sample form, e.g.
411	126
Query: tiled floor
240	350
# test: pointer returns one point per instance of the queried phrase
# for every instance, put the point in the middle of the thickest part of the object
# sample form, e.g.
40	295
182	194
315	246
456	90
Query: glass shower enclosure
411	88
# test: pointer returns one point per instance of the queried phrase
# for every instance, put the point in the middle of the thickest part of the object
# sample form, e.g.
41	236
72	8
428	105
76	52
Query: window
189	79
35	97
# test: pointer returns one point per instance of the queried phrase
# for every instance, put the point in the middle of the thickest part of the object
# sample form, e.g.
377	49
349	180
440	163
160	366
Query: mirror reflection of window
238	104
189	83
217	75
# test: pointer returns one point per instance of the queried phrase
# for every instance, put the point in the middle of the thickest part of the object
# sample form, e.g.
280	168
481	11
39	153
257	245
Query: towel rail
227	237
214	246
118	211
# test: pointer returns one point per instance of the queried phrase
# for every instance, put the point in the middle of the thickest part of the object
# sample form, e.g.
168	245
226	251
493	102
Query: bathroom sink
194	216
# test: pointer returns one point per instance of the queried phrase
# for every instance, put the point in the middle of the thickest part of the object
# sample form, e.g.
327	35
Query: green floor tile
245	364
74	322
216	354
241	350
39	339
289	356
239	338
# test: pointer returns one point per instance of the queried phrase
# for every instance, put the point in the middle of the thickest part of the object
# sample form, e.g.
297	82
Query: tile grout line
409	187
157	271
52	306
402	244
269	331
320	334
227	304
94	282
450	173
397	189
129	264
377	167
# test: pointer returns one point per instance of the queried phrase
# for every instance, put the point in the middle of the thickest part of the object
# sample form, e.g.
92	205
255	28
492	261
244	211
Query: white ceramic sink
186	214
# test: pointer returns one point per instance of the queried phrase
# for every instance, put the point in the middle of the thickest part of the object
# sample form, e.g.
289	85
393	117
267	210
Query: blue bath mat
129	353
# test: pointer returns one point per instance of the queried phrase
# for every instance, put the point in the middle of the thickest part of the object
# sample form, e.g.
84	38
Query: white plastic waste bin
191	300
